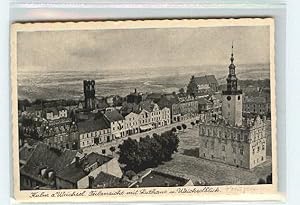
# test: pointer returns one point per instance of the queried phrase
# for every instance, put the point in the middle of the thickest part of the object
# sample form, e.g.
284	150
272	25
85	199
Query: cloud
104	50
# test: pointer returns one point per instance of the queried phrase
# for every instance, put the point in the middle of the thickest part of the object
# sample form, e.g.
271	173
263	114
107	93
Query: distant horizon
220	67
123	49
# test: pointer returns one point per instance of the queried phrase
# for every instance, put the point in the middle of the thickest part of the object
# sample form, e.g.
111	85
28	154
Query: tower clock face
228	98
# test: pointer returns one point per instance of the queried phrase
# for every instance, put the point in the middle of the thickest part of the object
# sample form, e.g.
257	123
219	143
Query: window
253	151
224	158
263	147
242	151
223	147
206	144
262	158
212	156
203	154
234	161
234	150
212	144
239	97
258	148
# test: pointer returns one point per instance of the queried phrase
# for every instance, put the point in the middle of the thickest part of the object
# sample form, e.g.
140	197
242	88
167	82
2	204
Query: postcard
146	110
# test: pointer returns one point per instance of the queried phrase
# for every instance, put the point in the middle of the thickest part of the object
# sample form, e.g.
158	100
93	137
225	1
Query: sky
140	48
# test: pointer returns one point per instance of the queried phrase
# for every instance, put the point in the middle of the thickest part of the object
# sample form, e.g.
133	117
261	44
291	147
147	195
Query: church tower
89	94
232	97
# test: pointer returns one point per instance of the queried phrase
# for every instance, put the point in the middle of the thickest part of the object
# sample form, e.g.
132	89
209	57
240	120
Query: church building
230	138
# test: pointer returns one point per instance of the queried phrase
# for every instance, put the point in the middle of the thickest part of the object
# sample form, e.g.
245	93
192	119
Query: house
33	111
151	116
94	131
106	180
181	108
55	113
41	164
59	133
132	123
153	178
155	97
78	175
202	85
117	124
205	105
134	97
256	105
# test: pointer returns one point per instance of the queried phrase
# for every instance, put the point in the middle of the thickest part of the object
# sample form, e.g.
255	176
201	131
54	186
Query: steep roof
74	172
129	107
113	116
105	180
168	101
147	105
25	152
43	157
154	96
99	123
207	79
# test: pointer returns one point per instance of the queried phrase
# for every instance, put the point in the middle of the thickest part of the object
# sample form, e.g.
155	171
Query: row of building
43	167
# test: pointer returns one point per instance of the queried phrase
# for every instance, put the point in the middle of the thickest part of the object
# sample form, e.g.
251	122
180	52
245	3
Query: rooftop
45	157
105	180
207	79
113	116
98	123
76	171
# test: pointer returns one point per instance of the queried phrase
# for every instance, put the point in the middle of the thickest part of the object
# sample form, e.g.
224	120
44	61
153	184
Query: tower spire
232	58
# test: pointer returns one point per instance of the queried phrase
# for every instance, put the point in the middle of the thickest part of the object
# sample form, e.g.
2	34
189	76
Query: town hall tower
232	98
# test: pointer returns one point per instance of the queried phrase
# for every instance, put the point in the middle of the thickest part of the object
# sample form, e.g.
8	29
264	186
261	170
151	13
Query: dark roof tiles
113	116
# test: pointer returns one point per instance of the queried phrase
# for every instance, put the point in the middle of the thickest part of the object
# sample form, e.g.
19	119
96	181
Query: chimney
91	180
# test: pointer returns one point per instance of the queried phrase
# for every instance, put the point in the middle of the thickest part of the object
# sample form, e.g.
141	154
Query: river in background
68	84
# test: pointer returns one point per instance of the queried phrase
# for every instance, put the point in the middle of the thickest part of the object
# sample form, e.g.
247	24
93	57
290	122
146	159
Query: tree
149	151
112	149
154	134
173	129
184	126
178	127
261	181
129	154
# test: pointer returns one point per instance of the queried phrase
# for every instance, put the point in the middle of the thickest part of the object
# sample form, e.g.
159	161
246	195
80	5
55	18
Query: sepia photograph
177	105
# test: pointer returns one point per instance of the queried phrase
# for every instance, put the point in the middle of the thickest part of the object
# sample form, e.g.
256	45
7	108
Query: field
213	173
68	85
